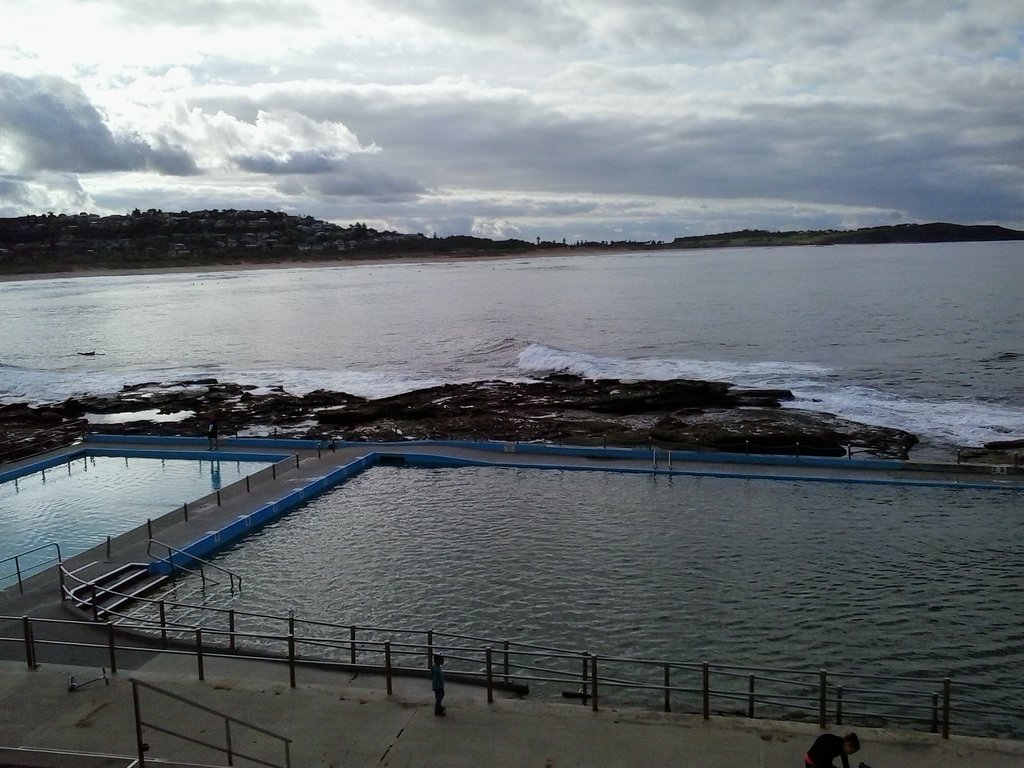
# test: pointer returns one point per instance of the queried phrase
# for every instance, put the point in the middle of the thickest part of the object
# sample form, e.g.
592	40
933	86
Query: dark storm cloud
50	124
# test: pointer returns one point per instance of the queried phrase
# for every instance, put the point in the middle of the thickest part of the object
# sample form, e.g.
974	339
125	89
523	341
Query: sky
576	119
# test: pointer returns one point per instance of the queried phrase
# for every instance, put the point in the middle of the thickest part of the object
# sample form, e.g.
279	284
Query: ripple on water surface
886	580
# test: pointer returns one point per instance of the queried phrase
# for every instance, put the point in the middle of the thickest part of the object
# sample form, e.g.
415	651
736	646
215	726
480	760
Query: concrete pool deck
341	719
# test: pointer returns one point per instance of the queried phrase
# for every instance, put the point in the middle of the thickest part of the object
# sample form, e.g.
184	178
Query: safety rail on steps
175	567
694	687
228	749
22	573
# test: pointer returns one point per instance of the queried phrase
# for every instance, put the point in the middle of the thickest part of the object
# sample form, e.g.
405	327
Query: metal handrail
487	664
17	564
228	750
175	551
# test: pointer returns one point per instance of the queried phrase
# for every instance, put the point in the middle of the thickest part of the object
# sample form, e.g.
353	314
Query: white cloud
657	116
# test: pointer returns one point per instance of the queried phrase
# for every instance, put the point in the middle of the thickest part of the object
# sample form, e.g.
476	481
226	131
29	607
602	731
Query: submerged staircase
108	596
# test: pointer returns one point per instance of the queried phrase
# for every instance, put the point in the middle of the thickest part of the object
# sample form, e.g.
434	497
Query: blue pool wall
214	541
86	451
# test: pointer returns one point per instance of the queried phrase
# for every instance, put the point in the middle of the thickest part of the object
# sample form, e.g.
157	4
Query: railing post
185	507
291	660
946	686
935	713
63	584
111	647
822	697
750	697
387	664
586	680
140	744
227	741
839	705
163	623
218	497
705	687
108	546
506	662
352	643
30	645
490	677
199	652
95	608
231	630
149	528
668	700
593	681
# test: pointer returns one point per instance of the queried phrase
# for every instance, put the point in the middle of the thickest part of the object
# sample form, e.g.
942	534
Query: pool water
874	579
80	503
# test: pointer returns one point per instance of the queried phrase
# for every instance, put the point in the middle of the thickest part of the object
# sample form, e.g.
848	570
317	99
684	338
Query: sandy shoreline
246	266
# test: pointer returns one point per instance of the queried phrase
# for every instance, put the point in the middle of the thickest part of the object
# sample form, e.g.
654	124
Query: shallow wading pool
79	503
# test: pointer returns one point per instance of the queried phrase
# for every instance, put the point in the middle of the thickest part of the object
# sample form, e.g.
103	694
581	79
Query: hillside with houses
154	238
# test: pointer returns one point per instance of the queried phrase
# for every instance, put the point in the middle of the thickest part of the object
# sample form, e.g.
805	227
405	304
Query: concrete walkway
338	720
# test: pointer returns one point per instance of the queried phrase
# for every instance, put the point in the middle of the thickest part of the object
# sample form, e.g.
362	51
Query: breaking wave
961	422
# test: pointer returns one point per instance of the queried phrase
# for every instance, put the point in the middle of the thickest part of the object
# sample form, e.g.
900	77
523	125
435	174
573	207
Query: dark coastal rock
1004	445
559	409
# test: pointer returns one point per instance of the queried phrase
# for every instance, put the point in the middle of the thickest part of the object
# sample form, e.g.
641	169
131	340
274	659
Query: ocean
926	338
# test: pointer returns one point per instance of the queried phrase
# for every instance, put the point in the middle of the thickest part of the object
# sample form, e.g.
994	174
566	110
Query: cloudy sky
595	119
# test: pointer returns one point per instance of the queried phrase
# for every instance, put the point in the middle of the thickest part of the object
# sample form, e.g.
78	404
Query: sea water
919	337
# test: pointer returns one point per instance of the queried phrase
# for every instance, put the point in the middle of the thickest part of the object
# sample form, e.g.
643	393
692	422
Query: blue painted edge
141	453
243	525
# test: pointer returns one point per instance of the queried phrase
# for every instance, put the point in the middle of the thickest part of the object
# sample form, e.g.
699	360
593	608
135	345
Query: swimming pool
879	579
79	503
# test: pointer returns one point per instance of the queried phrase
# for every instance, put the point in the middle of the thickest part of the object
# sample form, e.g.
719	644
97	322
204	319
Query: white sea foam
955	422
541	359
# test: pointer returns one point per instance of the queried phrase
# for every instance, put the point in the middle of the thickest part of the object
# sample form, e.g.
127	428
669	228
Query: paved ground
339	720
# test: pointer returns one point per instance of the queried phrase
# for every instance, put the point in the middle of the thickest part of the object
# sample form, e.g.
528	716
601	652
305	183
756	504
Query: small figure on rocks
829	746
437	683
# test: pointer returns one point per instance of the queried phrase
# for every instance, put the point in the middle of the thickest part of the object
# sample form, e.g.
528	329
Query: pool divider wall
241	526
643	453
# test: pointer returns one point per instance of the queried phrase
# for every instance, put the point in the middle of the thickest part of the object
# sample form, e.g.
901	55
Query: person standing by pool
437	683
829	746
211	430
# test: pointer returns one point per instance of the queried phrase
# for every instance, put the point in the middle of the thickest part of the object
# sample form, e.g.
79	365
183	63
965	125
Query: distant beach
245	266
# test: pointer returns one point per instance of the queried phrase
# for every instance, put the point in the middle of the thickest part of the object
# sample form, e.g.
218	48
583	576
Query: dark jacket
825	749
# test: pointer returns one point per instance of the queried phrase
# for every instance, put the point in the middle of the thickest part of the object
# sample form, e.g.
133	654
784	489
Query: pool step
129	581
